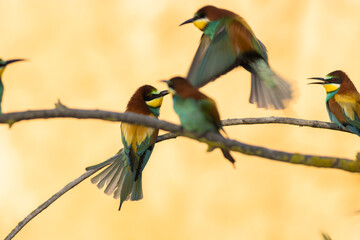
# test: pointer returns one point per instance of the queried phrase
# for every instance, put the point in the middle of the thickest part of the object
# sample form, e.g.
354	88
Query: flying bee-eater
342	100
3	65
123	176
228	42
197	112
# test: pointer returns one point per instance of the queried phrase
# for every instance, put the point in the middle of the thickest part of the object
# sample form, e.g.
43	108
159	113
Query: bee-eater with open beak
228	42
123	176
342	100
197	112
3	64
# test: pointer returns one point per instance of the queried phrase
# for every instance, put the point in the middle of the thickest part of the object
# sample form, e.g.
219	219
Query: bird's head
146	99
177	84
207	14
152	97
332	81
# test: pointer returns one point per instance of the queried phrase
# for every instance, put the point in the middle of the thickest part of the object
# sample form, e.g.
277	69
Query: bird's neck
331	94
210	29
155	111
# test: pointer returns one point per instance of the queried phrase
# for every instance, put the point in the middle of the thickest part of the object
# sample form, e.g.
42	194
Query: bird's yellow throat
331	87
1	70
155	103
201	23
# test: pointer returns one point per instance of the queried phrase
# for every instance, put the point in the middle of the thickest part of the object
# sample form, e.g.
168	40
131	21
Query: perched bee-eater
342	100
123	176
228	42
3	64
197	112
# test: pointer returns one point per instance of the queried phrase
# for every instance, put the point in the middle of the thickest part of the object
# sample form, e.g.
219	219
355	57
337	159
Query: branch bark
213	140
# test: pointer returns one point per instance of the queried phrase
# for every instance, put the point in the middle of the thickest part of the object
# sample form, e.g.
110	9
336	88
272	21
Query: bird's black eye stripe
334	80
199	16
151	97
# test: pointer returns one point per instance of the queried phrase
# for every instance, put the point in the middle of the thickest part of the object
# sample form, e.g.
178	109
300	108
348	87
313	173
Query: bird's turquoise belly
191	117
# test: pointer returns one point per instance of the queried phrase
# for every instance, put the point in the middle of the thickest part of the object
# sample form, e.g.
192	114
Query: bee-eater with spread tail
3	64
228	42
342	100
124	175
197	112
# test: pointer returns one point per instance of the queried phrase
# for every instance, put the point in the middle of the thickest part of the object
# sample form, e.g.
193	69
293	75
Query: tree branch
213	140
62	111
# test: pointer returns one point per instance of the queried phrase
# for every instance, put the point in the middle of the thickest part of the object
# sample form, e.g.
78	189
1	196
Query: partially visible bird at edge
3	65
342	100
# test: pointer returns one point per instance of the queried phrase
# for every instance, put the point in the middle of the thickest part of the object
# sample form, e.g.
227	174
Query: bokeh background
95	54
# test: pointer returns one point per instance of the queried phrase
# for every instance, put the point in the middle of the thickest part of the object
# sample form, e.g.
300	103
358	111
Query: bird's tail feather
228	156
119	179
268	90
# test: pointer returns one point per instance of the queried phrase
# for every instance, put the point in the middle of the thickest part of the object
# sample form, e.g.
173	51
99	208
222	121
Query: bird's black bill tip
164	93
187	21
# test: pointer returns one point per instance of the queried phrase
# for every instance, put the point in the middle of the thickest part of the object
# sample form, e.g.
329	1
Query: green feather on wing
213	58
208	107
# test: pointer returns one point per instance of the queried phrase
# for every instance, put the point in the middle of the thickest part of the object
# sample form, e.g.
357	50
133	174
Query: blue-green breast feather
192	116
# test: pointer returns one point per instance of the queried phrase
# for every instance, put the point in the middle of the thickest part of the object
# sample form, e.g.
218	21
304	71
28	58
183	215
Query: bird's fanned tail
268	90
119	179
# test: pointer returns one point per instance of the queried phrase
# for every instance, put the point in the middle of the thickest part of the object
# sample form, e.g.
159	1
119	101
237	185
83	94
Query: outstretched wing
233	44
213	58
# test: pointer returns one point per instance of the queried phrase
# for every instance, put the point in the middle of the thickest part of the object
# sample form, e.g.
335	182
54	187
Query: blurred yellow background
94	54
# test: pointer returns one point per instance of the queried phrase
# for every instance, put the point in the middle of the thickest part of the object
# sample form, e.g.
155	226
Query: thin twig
48	202
65	189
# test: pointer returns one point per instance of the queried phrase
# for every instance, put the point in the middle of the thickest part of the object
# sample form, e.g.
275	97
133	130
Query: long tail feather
136	192
268	90
228	156
119	179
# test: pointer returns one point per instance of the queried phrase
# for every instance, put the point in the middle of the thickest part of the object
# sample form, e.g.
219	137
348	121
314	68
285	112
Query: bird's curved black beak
164	81
188	21
318	78
12	61
163	93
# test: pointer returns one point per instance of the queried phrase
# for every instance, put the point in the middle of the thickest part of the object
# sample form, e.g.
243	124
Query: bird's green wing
213	58
208	107
345	110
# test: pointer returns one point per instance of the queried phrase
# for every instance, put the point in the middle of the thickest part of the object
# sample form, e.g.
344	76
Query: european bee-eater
197	112
123	176
3	64
342	100
228	42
